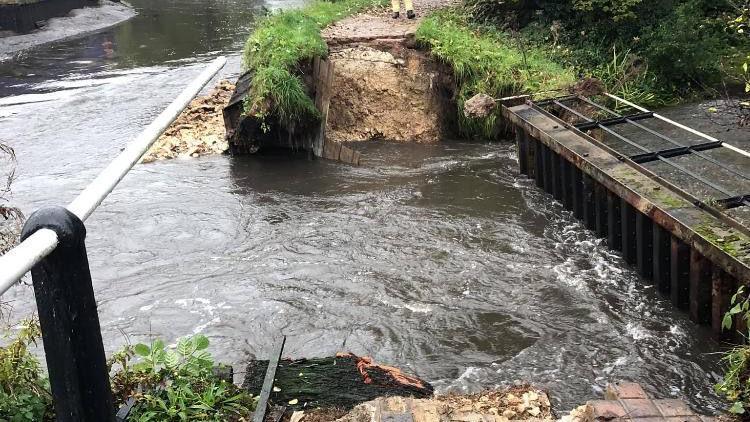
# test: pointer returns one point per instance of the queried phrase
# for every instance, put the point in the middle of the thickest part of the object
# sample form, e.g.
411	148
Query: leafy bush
680	46
487	61
685	49
24	391
735	385
275	49
177	385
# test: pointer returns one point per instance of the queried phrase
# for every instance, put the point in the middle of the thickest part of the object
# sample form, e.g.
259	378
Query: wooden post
589	219
547	164
700	288
661	259
567	183
522	142
614	224
557	179
539	164
71	334
679	273
531	145
644	243
577	188
600	210
723	287
627	220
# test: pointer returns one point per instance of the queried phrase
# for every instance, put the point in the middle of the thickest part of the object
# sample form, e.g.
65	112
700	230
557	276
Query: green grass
490	62
282	41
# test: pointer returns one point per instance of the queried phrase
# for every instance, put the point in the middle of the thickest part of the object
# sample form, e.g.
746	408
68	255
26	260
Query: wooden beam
265	392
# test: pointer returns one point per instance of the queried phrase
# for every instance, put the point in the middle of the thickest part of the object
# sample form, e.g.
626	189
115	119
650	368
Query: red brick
625	390
640	408
672	408
607	409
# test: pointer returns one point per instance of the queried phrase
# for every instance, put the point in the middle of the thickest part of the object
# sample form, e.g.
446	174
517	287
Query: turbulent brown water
438	259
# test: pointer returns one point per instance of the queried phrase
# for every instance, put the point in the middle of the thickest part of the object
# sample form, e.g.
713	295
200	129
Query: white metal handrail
19	260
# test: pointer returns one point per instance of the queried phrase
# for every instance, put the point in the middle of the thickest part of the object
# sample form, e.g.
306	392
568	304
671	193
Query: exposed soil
384	87
199	130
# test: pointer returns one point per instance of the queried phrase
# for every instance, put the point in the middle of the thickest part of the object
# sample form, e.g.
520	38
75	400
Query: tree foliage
681	46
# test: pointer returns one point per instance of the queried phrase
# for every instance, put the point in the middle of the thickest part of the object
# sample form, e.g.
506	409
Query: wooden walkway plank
265	392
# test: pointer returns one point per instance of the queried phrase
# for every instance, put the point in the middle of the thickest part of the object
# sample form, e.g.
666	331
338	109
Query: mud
385	88
387	95
199	130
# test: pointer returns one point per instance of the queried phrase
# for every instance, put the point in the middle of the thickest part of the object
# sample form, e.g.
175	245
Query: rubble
199	130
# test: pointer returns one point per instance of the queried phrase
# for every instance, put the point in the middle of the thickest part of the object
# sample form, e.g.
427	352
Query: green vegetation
741	26
178	385
650	52
24	391
735	386
485	60
11	218
167	384
281	43
726	242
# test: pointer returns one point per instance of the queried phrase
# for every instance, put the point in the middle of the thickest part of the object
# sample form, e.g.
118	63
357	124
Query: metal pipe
95	193
681	126
19	260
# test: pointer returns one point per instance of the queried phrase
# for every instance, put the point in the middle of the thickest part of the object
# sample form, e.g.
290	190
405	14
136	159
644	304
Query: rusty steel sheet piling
694	254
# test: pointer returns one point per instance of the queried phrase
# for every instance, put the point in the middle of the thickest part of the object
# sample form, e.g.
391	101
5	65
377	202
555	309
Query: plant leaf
737	408
727	322
142	350
201	342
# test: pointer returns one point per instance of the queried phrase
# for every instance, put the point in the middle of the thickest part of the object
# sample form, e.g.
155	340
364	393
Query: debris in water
199	130
479	106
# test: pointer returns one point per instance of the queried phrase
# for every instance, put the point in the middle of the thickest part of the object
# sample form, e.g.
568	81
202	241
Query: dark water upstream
438	259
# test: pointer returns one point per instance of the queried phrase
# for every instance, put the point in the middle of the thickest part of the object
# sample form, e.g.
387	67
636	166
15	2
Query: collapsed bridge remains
638	186
374	84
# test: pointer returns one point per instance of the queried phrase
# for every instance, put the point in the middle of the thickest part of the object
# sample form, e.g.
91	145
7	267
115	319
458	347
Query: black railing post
70	323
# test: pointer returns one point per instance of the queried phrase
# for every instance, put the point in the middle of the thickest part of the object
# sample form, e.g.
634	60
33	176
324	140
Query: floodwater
438	259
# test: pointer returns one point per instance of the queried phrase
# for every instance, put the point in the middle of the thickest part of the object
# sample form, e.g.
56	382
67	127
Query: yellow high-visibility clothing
407	4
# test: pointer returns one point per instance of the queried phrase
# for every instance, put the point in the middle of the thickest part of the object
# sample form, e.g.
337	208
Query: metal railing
53	249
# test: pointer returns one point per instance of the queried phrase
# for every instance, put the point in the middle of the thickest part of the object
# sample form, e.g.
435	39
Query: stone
479	106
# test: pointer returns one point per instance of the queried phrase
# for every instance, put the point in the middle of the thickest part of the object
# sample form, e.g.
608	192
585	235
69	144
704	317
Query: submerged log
335	382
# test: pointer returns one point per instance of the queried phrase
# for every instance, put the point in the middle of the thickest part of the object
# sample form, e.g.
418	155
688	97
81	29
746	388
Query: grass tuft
282	41
487	61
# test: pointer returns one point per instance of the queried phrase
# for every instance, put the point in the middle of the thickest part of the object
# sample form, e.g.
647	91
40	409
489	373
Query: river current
436	258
